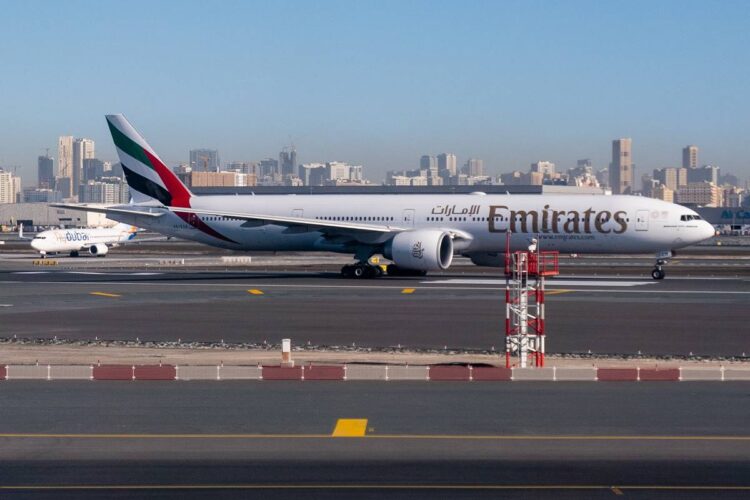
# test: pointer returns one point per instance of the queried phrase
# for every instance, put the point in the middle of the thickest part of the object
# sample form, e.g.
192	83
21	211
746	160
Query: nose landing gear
661	259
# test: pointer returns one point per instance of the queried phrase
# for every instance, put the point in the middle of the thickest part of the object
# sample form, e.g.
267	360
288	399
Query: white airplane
418	233
95	241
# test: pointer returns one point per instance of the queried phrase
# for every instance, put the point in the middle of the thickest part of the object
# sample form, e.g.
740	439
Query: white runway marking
549	282
6	305
31	272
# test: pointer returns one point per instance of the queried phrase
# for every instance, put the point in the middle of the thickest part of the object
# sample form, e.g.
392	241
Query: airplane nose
707	231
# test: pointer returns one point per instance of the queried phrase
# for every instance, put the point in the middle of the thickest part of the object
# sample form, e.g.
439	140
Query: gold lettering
571	225
620	219
494	209
524	216
601	219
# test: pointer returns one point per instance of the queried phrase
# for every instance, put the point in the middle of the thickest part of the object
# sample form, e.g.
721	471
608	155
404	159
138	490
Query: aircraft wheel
657	273
359	272
74	253
347	271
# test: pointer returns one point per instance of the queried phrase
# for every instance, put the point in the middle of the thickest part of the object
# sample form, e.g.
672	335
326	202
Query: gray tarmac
702	315
444	440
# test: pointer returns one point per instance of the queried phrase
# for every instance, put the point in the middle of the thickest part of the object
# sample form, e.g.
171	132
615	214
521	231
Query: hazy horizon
381	84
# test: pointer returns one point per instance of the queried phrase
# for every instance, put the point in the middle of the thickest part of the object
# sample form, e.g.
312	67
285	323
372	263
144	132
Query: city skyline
358	83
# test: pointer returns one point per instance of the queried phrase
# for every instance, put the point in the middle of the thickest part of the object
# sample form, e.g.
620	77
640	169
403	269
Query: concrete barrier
28	372
540	374
443	372
323	372
154	372
691	374
397	372
736	374
491	373
365	372
113	372
239	373
575	374
71	372
282	373
658	374
203	372
617	374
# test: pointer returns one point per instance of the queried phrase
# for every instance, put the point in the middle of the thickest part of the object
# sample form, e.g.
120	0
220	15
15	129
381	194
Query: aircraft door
641	220
408	219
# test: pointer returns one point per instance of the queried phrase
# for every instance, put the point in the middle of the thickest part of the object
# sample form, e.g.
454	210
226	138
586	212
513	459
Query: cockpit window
685	218
40	238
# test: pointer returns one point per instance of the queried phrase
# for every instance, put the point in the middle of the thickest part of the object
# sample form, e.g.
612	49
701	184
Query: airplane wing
146	212
340	226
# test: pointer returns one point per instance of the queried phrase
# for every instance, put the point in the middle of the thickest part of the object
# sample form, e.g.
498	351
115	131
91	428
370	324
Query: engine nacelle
488	259
98	249
423	250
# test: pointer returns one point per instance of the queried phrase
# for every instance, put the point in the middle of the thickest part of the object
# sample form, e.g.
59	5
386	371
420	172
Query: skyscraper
288	161
65	164
690	157
427	162
83	149
446	165
45	172
204	160
621	168
474	167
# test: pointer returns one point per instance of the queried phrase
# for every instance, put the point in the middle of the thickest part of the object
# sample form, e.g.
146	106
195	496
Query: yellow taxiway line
104	294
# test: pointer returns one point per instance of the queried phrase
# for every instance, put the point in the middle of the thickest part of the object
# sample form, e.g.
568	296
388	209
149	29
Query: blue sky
380	83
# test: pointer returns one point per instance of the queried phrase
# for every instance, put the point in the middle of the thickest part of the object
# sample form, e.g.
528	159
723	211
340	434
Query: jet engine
422	250
99	250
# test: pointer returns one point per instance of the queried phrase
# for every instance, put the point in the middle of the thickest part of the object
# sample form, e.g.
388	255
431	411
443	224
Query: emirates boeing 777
418	233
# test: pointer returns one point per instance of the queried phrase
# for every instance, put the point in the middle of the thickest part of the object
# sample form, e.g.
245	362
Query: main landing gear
361	270
661	259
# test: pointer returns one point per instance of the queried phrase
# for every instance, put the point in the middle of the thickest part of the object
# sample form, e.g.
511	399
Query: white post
286	352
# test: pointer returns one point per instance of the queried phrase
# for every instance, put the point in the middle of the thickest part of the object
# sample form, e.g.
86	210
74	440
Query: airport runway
604	315
441	440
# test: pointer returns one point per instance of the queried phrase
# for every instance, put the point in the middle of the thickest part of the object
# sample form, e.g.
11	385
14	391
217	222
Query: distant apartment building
288	162
583	174
474	167
733	196
705	194
10	187
93	169
672	177
108	190
220	179
446	163
429	163
662	192
706	173
83	149
690	157
65	164
621	168
45	172
41	195
204	160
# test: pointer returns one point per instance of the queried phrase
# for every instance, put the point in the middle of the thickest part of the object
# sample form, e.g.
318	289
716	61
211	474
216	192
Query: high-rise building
706	173
65	163
10	187
546	168
446	165
690	157
671	177
83	149
45	172
705	194
427	162
621	168
474	167
204	160
93	169
288	161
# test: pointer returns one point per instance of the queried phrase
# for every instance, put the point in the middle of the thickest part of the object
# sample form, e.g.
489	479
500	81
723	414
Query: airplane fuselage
567	223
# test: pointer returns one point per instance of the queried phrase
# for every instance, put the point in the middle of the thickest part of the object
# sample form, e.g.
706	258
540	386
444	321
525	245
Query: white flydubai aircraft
418	233
95	241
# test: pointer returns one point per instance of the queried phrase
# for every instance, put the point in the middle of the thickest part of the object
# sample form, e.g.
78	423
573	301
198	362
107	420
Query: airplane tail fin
148	177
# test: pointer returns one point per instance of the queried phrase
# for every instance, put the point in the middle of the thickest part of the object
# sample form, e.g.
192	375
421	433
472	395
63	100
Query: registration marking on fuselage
550	282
